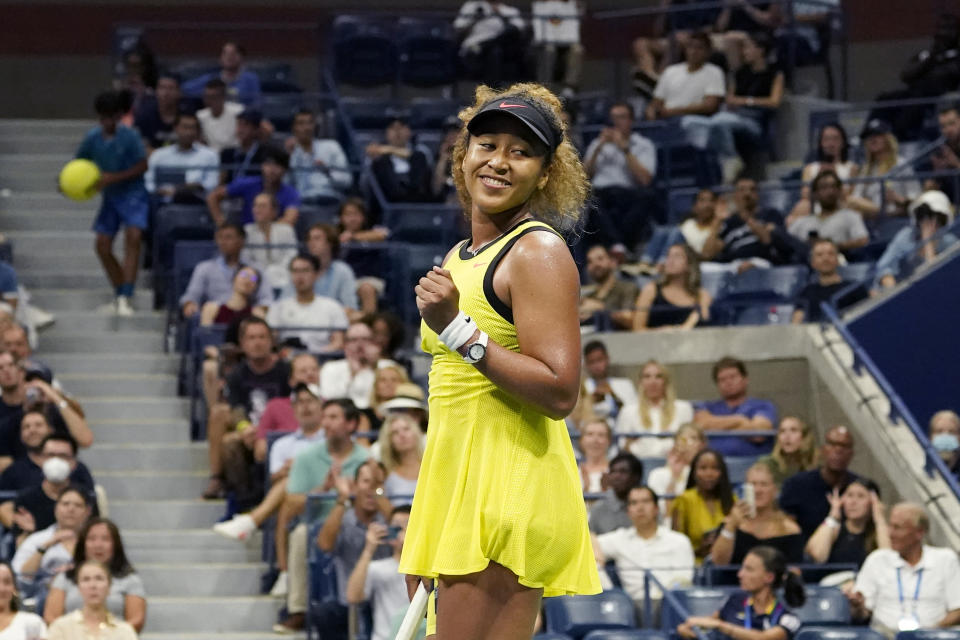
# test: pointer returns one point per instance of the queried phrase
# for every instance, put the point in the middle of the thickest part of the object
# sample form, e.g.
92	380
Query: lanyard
748	614
916	590
242	169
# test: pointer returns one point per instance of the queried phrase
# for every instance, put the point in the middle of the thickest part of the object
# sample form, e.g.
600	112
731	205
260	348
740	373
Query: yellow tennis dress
498	481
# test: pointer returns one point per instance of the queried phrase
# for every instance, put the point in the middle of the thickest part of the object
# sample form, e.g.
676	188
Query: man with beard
606	291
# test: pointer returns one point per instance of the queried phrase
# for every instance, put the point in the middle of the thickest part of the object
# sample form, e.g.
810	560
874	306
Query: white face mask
56	470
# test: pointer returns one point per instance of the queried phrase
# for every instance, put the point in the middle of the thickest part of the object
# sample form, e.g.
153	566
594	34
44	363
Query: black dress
848	548
790	545
664	313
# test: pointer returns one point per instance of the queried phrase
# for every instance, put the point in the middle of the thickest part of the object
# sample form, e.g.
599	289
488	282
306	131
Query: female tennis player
498	518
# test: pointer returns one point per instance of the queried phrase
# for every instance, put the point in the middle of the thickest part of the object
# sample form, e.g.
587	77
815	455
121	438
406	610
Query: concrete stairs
199	585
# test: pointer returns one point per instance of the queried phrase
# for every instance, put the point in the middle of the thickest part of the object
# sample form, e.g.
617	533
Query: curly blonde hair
561	201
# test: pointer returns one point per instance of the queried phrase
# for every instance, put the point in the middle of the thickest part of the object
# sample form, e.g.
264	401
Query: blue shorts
130	209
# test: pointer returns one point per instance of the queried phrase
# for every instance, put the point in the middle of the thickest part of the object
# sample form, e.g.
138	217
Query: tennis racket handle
415	612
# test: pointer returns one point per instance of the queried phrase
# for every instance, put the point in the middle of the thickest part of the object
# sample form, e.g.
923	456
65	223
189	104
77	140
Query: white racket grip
415	612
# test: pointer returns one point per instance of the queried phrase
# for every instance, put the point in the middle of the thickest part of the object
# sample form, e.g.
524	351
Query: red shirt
277	418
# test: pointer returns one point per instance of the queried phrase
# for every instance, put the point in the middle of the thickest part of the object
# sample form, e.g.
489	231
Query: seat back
364	51
627	634
428	52
841	633
857	271
824	606
311	214
697	601
930	634
777	284
576	616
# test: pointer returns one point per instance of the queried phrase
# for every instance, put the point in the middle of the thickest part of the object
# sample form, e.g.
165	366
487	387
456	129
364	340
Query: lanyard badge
908	620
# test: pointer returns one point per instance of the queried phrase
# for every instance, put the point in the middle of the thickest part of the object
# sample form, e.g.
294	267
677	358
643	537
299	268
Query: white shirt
290	445
621	387
678	87
330	180
939	585
25	626
220	133
486	28
276	256
56	556
387	591
204	158
610	167
694	235
668	553
660	480
336	381
628	421
556	22
321	313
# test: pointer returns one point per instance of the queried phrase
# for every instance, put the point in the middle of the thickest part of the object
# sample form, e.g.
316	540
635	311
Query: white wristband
727	534
456	334
832	522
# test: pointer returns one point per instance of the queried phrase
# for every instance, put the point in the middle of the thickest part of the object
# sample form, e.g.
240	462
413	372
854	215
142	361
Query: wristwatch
478	350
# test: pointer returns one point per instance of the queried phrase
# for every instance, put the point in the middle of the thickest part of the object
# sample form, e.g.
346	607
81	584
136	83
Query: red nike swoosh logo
479	264
504	105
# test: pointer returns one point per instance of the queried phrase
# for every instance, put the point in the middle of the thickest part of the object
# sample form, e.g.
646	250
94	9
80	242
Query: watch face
476	351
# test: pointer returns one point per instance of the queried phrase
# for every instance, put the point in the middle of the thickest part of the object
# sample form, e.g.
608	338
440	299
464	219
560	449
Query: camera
392	533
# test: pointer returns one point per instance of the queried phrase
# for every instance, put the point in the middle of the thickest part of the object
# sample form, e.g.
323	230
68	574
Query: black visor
525	112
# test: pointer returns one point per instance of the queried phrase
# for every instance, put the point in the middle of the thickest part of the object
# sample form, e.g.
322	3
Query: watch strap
482	340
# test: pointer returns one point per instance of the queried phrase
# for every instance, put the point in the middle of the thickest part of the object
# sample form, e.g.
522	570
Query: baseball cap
253	116
312	389
408	396
524	110
875	127
935	201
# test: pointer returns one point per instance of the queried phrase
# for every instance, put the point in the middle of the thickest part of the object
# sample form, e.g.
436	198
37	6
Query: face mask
945	442
56	470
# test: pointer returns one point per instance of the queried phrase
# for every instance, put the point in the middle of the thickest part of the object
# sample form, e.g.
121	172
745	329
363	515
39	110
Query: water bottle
773	317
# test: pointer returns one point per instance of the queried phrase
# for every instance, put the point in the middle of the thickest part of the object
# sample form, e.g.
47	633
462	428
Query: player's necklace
473	252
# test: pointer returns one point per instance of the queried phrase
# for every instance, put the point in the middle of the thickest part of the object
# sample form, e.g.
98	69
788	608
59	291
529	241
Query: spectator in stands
273	170
606	290
323	467
882	160
794	451
751	101
914	245
927	577
671	479
157	113
737	22
16	341
745	239
763	573
260	376
218	118
693	87
944	436
556	37
242	85
676	300
832	152
320	169
825	259
20	625
657	411
760	523
736	411
307	408
184	171
136	75
28	472
401	451
855	528
100	540
49	550
947	157
610	512
388	333
120	156
699	511
34	508
596	437
804	494
243	160
353	375
702	222
271	243
335	278
279	415
621	164
20	396
409	400
402	172
306	320
492	41
832	221
379	581
94	583
387	381
213	280
242	303
441	184
601	394
646	545
353	224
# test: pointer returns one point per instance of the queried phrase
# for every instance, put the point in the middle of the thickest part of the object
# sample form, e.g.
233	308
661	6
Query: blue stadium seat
716	283
627	634
824	606
649	464
840	633
697	601
369	113
762	314
280	109
410	262
323	577
422	224
364	51
170	224
777	284
737	467
930	634
578	615
551	636
194	69
311	214
269	72
857	271
430	113
428	52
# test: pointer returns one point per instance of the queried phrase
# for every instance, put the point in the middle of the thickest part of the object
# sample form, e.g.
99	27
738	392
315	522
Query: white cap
937	201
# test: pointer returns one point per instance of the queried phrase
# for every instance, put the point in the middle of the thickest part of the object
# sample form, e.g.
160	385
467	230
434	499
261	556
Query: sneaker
214	490
279	589
294	623
240	527
108	308
41	319
124	308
